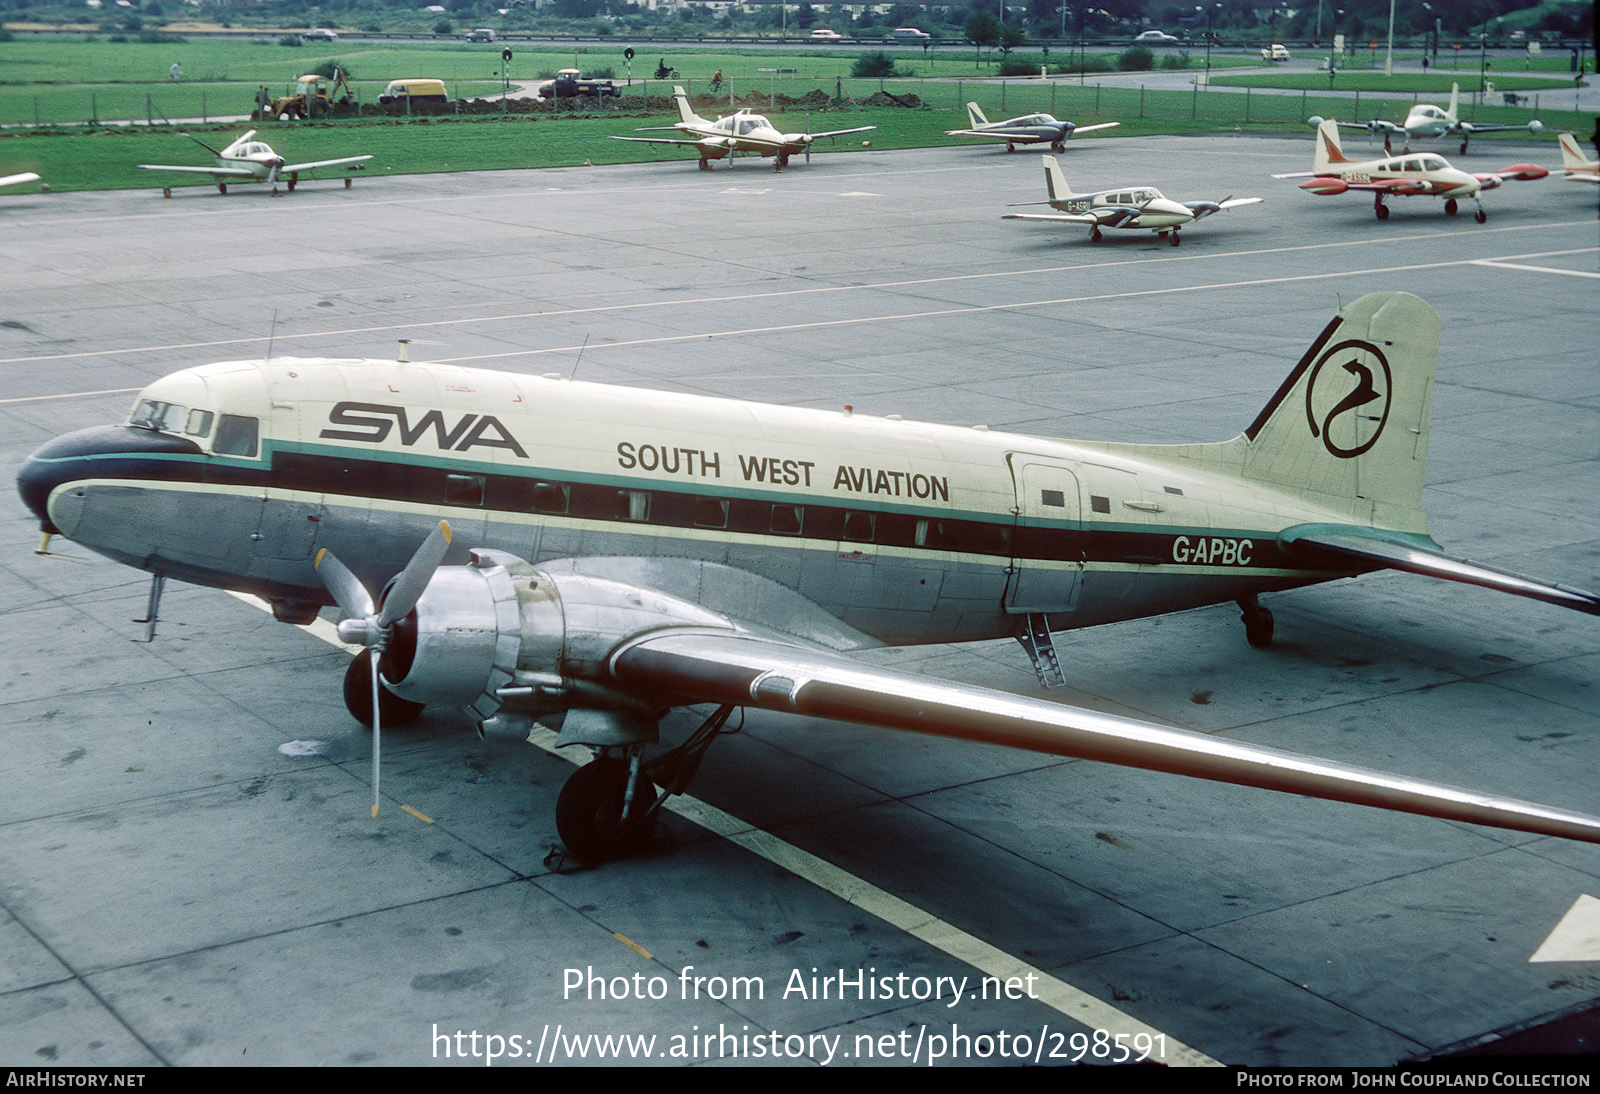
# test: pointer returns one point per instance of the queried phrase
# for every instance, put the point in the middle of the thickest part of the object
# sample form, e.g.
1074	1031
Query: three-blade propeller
371	626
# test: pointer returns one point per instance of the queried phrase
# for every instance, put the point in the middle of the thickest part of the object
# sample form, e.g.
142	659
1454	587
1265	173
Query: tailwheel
589	812
1450	207
1257	622
358	697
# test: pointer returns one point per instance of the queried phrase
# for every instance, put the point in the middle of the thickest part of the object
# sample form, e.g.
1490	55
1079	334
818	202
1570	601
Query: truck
315	96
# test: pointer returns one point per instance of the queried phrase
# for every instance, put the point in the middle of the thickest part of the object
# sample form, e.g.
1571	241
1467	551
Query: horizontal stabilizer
1327	544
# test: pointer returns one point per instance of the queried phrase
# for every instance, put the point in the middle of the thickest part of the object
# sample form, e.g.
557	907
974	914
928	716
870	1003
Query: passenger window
549	497
710	513
463	490
236	436
633	505
1055	498
787	519
860	527
199	423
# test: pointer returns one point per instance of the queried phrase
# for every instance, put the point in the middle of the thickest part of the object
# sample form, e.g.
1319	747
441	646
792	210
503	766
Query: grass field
78	156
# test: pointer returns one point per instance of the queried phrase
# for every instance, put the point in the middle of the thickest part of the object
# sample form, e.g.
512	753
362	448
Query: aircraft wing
1091	128
290	168
831	133
720	666
1472	129
1373	549
1206	208
1060	218
992	134
659	140
214	172
18	179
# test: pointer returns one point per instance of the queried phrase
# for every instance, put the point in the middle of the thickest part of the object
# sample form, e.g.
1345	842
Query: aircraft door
1047	546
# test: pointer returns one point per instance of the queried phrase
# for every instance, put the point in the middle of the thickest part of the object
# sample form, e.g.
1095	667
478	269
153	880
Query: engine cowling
1326	186
499	632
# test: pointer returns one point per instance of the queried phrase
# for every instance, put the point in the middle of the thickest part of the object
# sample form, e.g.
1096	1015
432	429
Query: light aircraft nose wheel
358	697
1058	147
1257	622
1480	216
589	812
1450	207
1173	239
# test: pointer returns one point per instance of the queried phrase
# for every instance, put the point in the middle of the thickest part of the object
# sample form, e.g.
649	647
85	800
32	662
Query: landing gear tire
705	165
1450	207
292	180
1095	236
1382	211
358	696
1463	148
1010	147
1480	216
1257	626
589	813
1172	238
1058	146
222	188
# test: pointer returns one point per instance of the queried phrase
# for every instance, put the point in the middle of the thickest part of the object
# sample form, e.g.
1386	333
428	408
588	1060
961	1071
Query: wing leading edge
747	670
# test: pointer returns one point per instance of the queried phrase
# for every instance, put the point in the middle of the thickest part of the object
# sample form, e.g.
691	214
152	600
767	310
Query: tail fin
686	112
1352	418
1455	100
1328	151
1571	158
1055	181
975	114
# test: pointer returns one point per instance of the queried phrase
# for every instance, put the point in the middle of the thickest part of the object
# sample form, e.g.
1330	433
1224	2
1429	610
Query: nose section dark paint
97	452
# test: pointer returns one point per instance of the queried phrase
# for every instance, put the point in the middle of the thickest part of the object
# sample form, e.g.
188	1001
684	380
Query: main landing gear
1450	207
1379	207
1094	234
1257	621
608	808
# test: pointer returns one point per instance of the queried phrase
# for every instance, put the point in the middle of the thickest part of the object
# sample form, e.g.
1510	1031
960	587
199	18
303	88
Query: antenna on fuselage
579	361
271	333
405	356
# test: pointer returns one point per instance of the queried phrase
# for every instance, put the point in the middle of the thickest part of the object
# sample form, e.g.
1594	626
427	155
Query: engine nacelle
500	629
1523	172
1325	185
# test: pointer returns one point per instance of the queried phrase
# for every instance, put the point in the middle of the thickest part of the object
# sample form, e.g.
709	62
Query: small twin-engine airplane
1573	164
741	132
1428	122
1405	175
18	179
247	160
611	552
1137	207
1028	129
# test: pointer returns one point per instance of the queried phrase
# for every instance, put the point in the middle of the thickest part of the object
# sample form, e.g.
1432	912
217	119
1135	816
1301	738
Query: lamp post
1333	45
1388	57
1208	12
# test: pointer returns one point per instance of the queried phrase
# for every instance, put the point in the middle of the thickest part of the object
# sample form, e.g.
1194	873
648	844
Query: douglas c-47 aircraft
1133	207
1406	175
247	160
611	553
741	132
1028	129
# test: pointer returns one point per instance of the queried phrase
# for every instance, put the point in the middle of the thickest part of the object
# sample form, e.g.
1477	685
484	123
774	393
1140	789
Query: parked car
1277	51
482	34
823	34
1154	38
319	34
909	34
570	82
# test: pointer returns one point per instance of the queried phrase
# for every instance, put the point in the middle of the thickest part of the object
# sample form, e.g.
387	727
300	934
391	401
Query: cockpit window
154	414
199	423
236	436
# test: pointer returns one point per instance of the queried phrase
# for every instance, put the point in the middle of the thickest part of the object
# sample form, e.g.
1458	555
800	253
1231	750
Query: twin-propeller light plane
1428	122
1130	207
250	160
612	553
1028	129
1407	175
740	132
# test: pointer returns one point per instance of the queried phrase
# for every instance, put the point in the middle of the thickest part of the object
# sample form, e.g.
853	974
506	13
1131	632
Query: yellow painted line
632	945
421	817
1071	1001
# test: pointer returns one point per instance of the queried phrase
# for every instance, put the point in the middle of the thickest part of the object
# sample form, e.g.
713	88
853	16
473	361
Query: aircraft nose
95	452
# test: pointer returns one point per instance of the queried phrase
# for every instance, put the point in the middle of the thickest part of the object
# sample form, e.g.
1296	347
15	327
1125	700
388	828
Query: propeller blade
347	590
377	731
413	580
